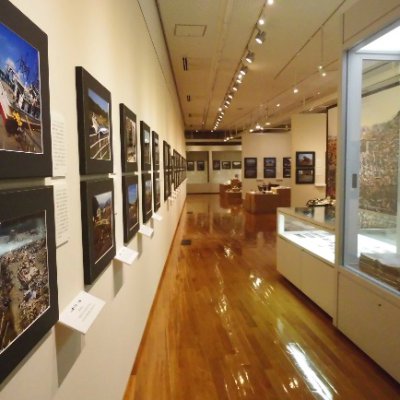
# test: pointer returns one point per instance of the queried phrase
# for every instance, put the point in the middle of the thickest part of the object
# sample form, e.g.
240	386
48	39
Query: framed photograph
128	133
269	172
29	300
304	175
236	165
200	165
305	159
250	167
269	162
226	165
287	162
97	227
157	191
130	190
25	131
190	165
147	197
287	172
94	124
156	151
216	165
145	146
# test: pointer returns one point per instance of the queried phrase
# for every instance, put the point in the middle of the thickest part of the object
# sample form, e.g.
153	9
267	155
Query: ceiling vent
190	30
185	64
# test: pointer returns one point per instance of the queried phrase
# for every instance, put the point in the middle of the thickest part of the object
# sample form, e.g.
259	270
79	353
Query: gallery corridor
226	325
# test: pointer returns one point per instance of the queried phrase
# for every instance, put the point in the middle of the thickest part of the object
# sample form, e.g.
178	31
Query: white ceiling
213	36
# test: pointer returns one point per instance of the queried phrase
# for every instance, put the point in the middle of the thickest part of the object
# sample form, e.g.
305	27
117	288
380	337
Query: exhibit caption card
126	255
82	312
146	231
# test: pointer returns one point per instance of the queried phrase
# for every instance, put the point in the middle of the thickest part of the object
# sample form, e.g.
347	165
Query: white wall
265	145
109	38
309	134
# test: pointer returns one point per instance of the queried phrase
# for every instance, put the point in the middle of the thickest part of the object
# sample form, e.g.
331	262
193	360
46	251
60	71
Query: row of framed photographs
269	167
217	164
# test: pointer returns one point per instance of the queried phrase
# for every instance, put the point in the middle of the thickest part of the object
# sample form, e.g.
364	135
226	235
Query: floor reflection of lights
317	383
260	287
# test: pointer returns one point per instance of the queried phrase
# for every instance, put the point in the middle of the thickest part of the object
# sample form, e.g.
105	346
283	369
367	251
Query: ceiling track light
249	57
261	20
243	70
260	37
230	95
239	79
235	87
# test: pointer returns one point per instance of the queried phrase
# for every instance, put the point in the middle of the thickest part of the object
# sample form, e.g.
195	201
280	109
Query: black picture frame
236	165
269	162
145	146
250	167
287	162
305	176
287	173
129	142
131	209
31	212
26	155
305	159
94	124
167	173
226	165
147	197
156	191
155	151
98	227
190	165
200	165
269	172
216	165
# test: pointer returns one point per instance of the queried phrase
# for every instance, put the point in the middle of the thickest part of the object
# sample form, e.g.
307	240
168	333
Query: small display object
304	175
157	191
305	159
25	137
200	166
94	124
156	152
190	165
250	167
145	146
226	165
236	164
29	300
128	132
269	172
216	165
97	227
130	189
147	197
269	162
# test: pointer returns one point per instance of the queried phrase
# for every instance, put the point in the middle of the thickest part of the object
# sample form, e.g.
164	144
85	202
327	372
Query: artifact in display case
310	228
25	131
94	124
28	282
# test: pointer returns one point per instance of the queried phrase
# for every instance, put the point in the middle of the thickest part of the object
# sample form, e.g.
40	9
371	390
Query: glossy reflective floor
226	325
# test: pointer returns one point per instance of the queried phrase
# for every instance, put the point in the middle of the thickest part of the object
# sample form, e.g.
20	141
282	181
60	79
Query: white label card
61	213
59	145
126	255
146	231
81	312
157	217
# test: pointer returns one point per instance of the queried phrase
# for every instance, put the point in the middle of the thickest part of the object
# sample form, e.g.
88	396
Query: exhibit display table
269	201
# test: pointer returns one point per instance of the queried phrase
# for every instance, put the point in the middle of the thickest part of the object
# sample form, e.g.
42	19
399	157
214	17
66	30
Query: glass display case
371	195
311	228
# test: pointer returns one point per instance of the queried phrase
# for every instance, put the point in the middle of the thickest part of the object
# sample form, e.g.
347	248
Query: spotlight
249	57
295	90
230	95
260	37
261	20
220	109
235	87
270	2
243	70
278	105
239	79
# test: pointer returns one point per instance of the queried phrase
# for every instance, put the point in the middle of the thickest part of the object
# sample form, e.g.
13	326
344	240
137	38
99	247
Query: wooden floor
226	325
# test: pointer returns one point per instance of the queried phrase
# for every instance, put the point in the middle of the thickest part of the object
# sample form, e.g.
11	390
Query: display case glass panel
371	218
312	228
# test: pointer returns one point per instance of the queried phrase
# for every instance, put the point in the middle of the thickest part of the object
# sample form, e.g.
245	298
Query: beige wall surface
110	39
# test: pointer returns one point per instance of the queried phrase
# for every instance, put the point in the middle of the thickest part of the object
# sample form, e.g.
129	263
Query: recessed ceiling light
295	90
270	2
268	123
278	105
